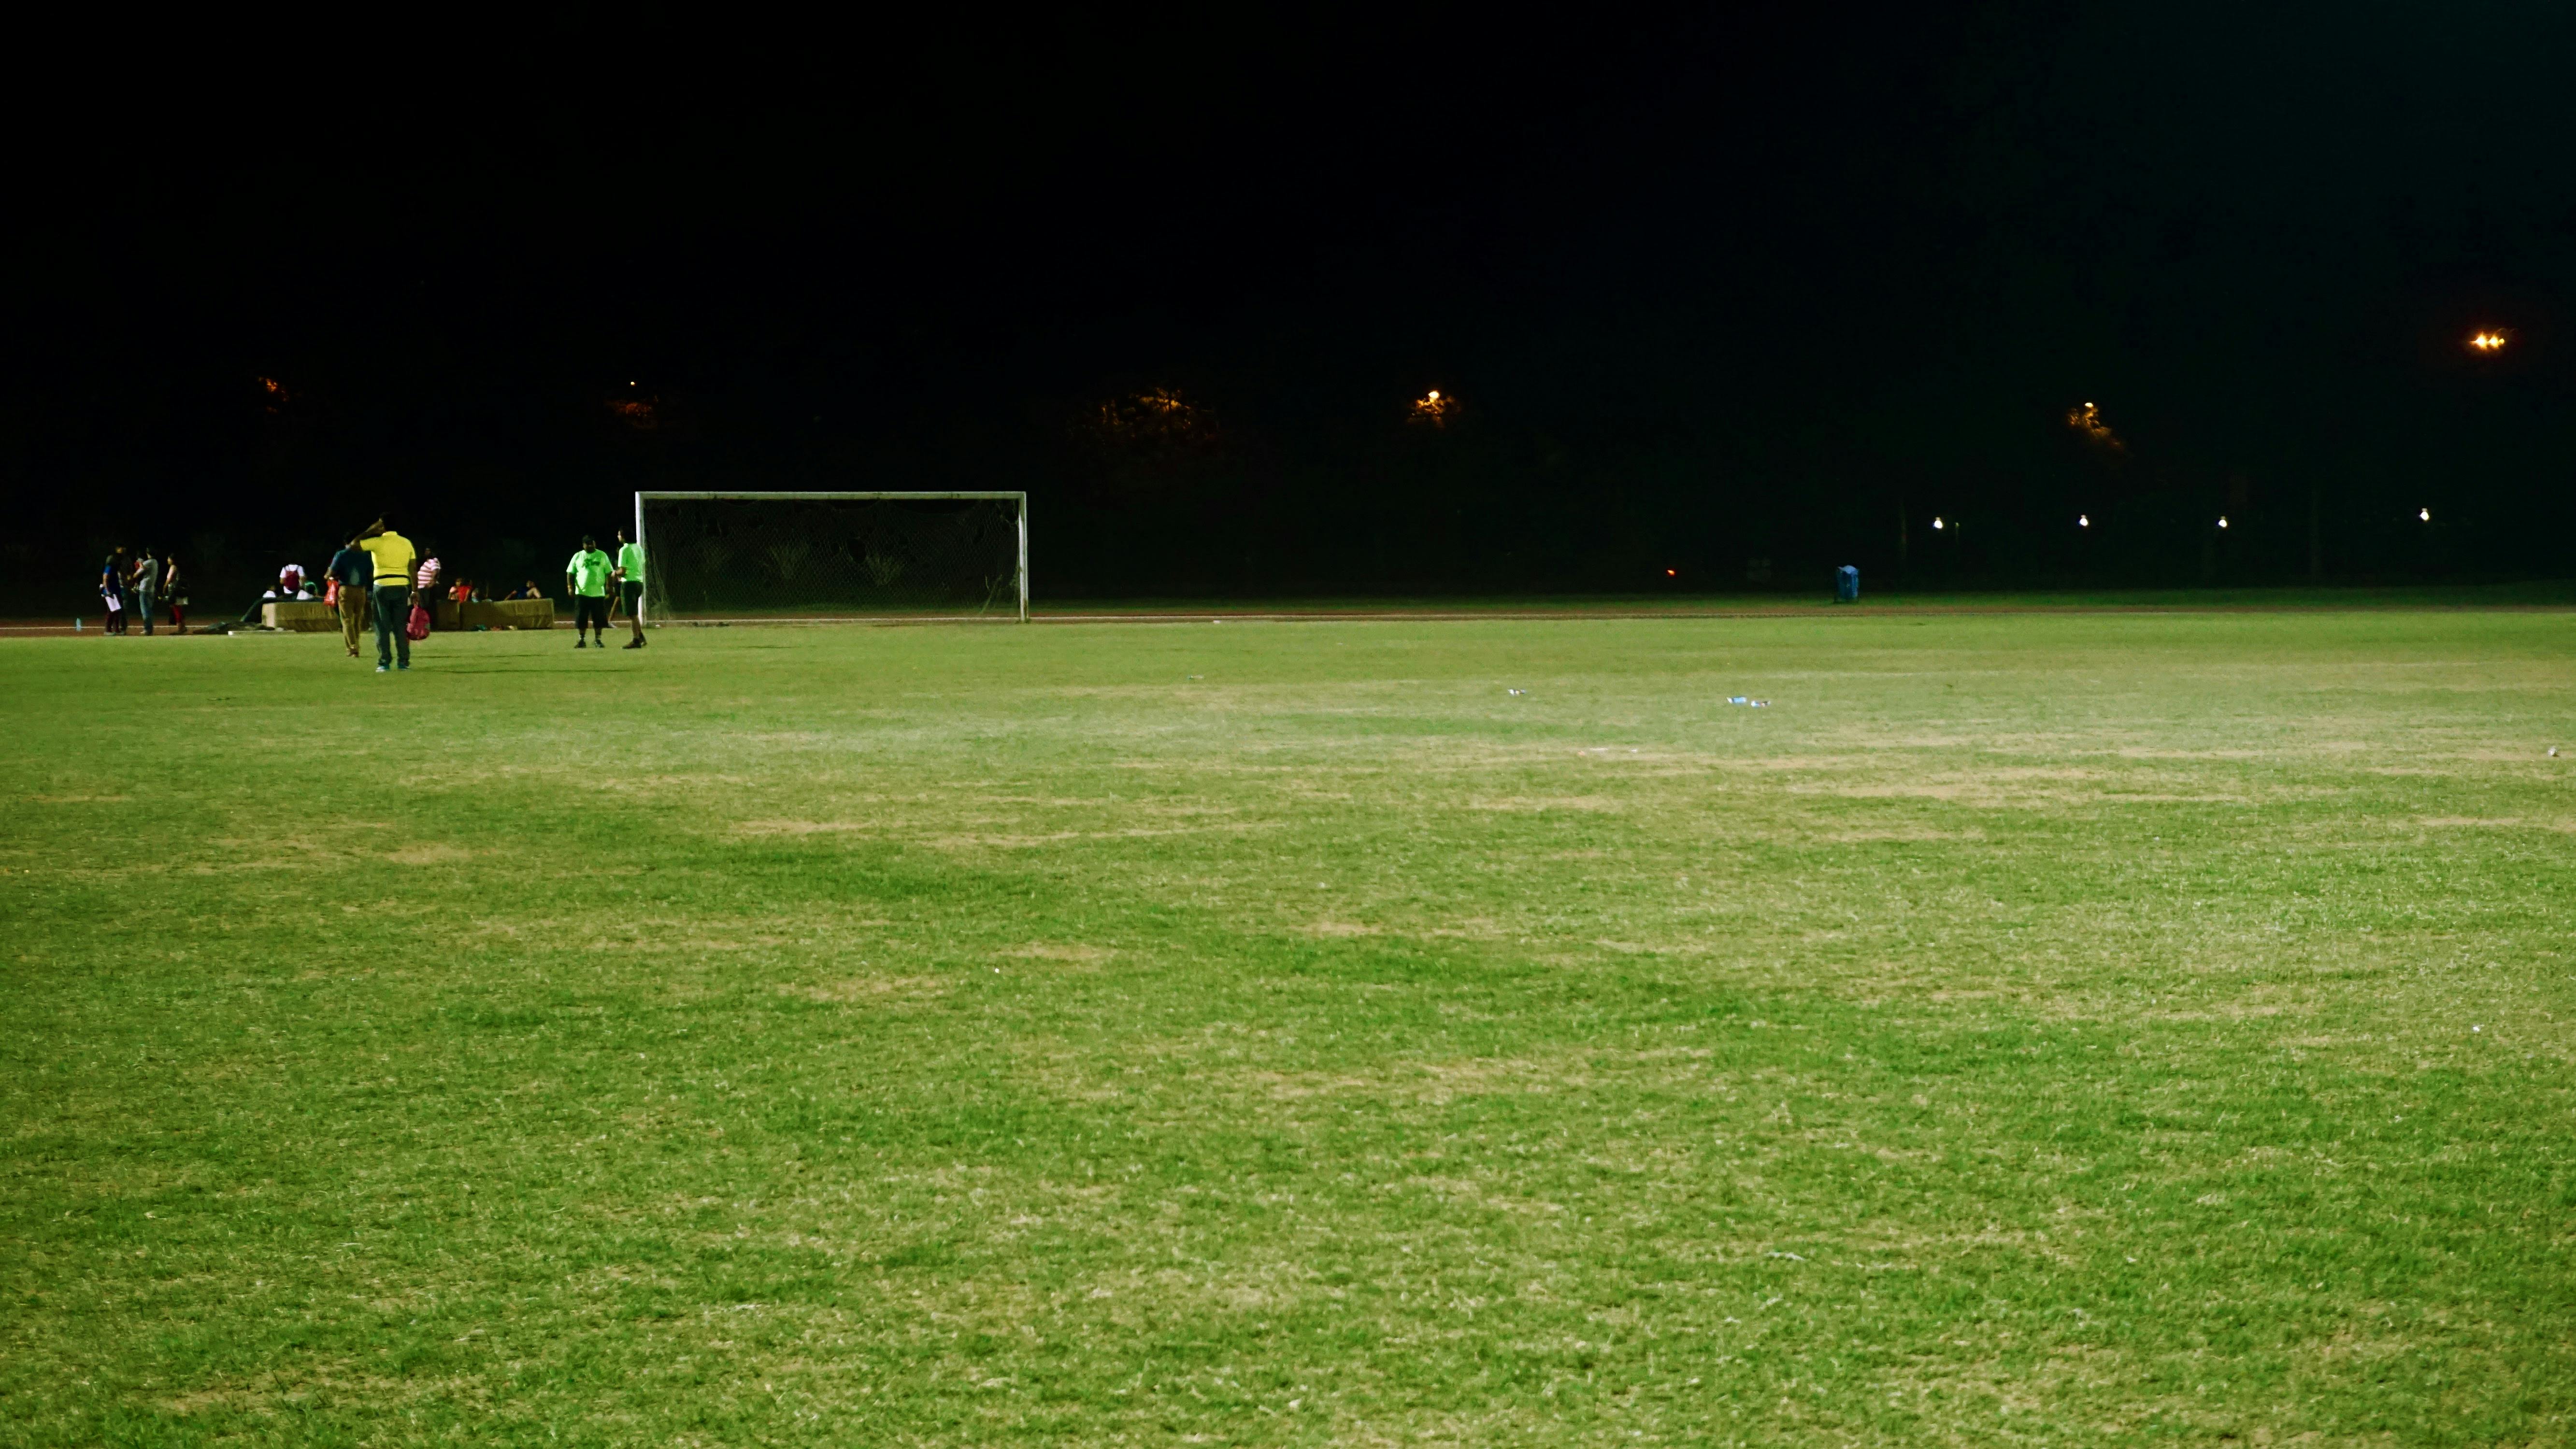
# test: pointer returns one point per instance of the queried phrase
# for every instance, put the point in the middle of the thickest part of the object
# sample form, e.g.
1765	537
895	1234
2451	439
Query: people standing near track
586	579
174	594
390	591
111	588
354	574
630	584
142	584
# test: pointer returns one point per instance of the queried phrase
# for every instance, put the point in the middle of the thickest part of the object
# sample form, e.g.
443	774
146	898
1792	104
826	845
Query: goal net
748	557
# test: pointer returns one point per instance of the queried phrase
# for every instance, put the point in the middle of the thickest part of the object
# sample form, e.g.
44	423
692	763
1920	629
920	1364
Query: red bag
417	627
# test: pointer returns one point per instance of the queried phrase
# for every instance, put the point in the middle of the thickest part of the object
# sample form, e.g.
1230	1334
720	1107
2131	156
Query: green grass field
2090	1029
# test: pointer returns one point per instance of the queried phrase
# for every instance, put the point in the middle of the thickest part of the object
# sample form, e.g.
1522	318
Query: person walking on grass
391	591
630	584
354	574
142	584
586	579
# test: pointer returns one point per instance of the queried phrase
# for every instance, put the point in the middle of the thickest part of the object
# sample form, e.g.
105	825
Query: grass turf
2109	1028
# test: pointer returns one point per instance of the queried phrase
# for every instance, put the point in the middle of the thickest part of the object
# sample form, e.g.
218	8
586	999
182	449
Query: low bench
312	616
303	616
497	614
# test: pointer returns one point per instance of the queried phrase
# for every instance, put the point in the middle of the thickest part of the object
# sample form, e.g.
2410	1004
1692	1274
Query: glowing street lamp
1936	523
2222	520
2485	341
2083	522
2425	514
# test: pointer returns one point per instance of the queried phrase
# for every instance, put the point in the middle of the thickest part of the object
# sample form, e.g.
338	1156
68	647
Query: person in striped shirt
426	585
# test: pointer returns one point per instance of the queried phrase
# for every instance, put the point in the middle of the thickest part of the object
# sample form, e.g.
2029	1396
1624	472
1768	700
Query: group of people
292	586
381	577
378	575
590	577
130	587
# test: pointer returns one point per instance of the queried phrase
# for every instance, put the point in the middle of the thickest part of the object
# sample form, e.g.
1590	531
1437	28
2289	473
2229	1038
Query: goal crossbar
1019	499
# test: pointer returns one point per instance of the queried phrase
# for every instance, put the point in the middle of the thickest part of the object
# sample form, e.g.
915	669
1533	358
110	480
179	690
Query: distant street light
2487	341
2083	522
2086	420
2425	514
1936	523
2222	520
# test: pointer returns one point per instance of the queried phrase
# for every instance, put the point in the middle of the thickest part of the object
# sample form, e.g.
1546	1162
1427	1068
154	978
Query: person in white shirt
425	585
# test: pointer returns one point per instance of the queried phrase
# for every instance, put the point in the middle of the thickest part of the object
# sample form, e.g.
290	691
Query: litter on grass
1748	703
1524	691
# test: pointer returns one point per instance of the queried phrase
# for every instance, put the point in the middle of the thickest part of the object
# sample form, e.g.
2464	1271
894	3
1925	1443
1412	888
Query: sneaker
380	669
581	644
636	644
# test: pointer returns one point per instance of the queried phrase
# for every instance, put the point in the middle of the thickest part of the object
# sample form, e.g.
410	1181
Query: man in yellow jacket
392	591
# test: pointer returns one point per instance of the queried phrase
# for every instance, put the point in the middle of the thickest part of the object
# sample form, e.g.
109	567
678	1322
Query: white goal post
790	553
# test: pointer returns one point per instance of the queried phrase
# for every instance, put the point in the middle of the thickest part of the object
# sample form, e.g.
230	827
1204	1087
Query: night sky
1706	288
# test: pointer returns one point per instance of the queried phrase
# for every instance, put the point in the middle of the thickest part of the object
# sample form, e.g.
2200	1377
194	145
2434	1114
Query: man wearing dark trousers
586	579
394	557
630	584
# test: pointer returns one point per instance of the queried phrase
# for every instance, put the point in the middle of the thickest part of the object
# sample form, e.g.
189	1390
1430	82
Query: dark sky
1707	284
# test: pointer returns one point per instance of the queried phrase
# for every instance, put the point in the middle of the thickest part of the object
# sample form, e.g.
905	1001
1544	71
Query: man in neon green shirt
630	584
586	579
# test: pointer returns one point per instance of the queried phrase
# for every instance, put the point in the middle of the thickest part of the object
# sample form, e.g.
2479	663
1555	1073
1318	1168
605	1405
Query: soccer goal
815	557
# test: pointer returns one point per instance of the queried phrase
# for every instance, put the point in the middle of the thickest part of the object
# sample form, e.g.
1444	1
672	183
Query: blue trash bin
1847	585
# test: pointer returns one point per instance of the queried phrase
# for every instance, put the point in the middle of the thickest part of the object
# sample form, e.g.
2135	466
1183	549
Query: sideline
2361	601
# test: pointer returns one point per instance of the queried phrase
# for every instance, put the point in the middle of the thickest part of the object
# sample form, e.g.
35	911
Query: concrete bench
497	614
303	616
316	617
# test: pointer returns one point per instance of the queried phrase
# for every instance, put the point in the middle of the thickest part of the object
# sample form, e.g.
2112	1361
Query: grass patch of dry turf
2107	1029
